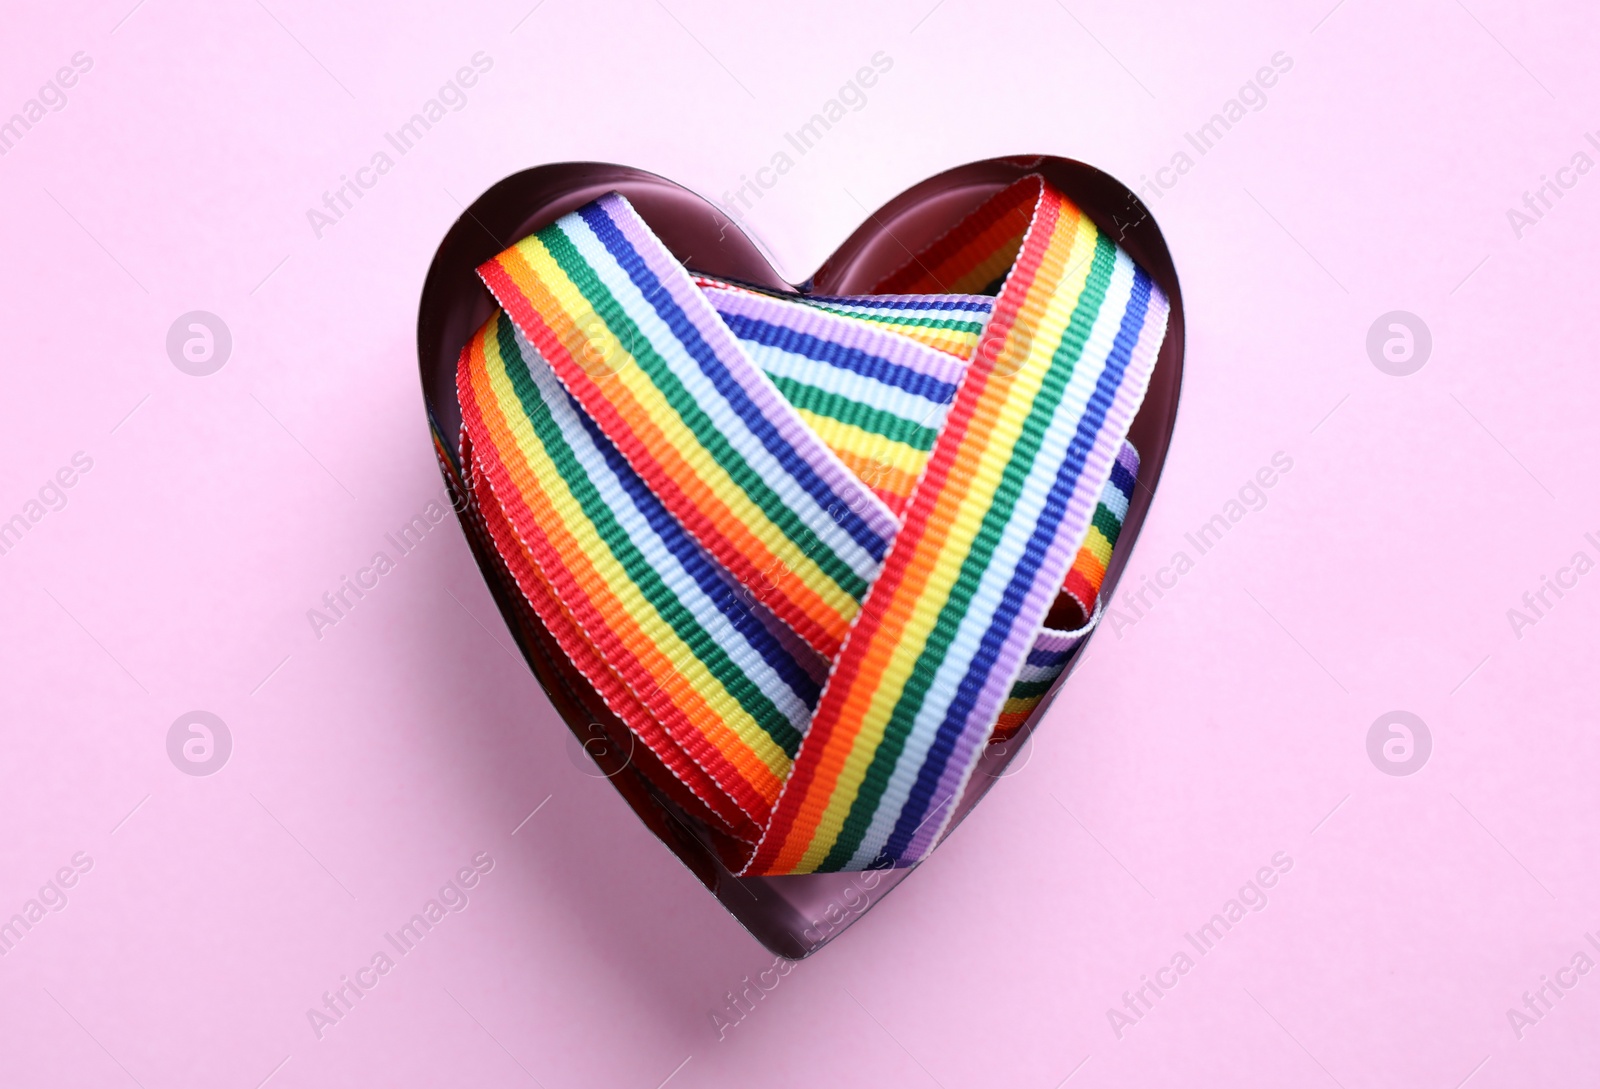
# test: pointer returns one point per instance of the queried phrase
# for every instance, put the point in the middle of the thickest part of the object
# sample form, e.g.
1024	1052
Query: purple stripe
1129	458
1052	647
846	332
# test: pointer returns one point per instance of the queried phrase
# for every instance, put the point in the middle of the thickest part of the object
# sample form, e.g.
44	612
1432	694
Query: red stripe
1082	590
1009	724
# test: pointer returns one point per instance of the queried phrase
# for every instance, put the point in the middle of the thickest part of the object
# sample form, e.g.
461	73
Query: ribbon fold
805	547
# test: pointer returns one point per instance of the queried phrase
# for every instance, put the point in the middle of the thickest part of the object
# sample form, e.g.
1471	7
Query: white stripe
781	363
1032	673
1115	501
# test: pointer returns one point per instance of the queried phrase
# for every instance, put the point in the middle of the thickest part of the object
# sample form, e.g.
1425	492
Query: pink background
1228	724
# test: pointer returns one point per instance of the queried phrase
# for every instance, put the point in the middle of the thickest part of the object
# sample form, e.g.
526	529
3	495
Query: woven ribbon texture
805	547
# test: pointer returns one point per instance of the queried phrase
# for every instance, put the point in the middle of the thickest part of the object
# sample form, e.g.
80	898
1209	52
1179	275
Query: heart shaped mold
793	916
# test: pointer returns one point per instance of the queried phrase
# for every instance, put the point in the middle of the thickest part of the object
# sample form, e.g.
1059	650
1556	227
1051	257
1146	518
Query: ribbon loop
805	548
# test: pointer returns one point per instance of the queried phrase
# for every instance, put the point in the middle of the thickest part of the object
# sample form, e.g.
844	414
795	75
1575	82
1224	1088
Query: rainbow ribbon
806	547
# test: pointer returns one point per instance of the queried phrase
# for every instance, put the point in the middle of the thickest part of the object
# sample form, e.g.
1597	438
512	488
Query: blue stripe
854	360
661	300
1043	658
704	572
1122	478
926	302
1055	508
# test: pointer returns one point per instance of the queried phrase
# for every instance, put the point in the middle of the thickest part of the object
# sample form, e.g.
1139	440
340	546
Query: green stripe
1063	363
845	410
609	310
1027	690
638	568
1107	523
895	317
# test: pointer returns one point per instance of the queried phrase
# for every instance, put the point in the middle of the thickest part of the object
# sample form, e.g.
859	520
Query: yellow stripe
951	341
1097	546
991	458
733	719
892	482
852	442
